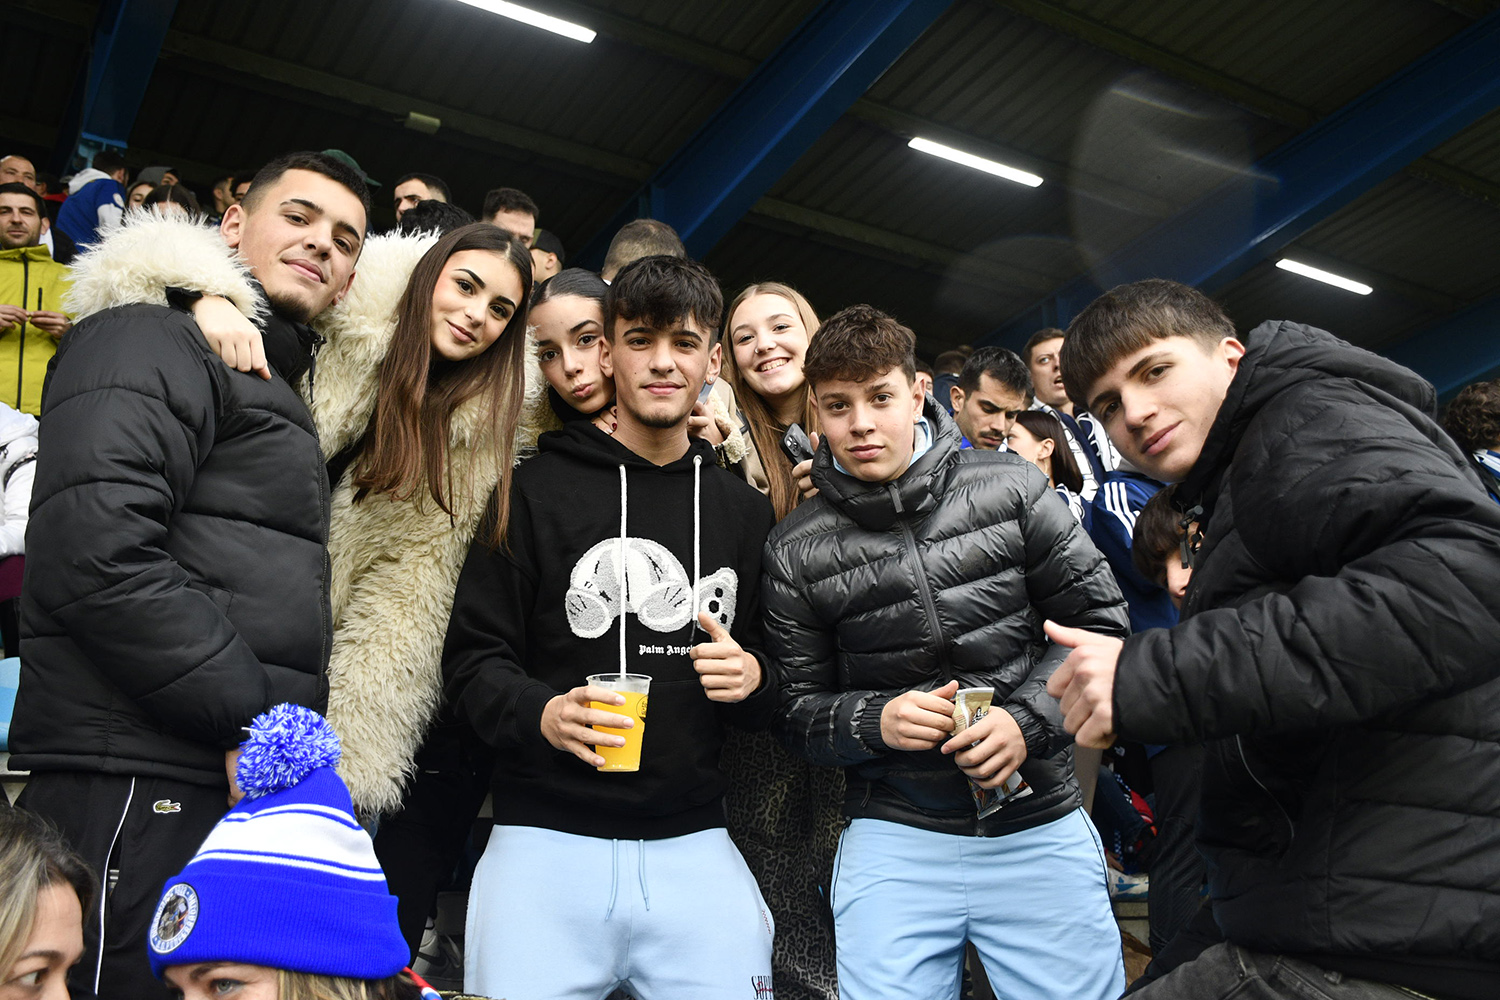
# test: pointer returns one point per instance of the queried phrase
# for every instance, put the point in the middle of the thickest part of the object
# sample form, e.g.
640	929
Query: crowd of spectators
941	657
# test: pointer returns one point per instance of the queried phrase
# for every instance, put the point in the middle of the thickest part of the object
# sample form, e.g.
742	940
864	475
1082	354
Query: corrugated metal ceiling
1129	109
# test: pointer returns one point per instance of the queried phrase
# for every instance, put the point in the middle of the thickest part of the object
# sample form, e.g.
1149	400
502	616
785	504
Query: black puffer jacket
176	571
1341	642
873	589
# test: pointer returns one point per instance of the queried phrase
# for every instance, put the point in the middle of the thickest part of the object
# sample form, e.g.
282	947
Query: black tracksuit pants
144	828
1176	866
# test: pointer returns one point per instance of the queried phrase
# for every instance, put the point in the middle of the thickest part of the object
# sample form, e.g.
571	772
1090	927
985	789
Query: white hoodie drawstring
697	530
623	575
641	874
614	881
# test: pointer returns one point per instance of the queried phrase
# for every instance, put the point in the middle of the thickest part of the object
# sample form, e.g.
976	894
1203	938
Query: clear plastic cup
635	688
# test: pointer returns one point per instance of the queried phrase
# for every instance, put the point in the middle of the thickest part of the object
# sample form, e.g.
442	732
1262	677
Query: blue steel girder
772	118
1455	351
128	36
1305	180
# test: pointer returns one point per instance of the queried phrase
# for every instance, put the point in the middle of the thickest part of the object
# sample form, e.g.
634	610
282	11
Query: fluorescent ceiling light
534	18
977	162
1328	277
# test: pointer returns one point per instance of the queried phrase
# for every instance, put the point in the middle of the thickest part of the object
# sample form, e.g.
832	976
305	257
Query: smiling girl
767	329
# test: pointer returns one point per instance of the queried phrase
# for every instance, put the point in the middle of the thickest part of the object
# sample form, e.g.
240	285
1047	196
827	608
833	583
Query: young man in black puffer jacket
920	569
176	578
1336	652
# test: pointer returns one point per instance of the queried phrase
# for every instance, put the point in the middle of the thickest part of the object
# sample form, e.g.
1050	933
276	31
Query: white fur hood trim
139	260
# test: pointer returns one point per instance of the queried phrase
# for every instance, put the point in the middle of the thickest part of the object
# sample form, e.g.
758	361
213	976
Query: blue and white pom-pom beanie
288	879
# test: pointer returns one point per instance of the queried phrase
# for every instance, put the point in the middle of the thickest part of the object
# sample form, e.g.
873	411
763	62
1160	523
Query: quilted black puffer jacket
873	589
1340	644
177	571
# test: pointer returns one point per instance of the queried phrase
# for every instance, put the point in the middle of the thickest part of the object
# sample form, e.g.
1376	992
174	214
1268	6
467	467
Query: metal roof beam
127	35
774	117
1455	351
1306	179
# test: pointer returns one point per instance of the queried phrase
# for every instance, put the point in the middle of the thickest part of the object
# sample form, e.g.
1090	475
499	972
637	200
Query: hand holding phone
795	444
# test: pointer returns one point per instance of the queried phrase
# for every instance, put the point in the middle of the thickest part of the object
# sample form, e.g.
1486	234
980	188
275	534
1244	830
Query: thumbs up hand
1085	683
728	673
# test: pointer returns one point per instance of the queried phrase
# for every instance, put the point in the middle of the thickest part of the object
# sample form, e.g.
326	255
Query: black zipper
928	604
21	357
325	498
312	367
1245	760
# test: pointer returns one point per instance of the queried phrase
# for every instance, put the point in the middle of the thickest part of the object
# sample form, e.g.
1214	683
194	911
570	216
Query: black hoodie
533	620
1338	650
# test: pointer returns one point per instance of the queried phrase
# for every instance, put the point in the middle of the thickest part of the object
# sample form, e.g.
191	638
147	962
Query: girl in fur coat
420	395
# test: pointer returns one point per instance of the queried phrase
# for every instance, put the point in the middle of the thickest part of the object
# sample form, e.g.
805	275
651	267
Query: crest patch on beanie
175	916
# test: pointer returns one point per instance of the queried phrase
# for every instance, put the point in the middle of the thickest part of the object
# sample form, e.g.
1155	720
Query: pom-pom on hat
288	879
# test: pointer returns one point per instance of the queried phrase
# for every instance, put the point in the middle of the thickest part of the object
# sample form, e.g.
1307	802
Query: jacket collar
290	345
914	493
1279	356
26	253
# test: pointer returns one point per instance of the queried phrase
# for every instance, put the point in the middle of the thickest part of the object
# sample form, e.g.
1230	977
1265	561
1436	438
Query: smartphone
705	392
796	444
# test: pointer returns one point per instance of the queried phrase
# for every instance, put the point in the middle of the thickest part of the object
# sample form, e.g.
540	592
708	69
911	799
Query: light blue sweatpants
1035	904
555	916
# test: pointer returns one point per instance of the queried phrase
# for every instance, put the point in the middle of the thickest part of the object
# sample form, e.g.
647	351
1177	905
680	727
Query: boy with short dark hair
628	552
913	573
1336	653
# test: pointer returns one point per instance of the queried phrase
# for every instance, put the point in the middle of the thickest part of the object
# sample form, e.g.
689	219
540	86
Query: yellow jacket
26	349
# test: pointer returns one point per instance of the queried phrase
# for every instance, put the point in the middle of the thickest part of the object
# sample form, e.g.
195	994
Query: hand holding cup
568	719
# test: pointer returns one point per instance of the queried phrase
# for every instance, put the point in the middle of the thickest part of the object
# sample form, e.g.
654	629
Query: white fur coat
395	564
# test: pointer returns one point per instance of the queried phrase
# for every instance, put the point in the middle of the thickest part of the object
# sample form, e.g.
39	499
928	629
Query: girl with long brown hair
784	814
767	328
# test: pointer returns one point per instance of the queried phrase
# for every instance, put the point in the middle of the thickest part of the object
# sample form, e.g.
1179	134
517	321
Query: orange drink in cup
635	688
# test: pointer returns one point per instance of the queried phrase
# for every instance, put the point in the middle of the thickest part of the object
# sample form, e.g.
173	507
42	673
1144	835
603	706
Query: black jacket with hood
873	589
534	619
176	572
1340	647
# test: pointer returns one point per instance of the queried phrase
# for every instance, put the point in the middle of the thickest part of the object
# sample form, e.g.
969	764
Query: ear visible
345	290
606	358
1044	448
232	227
715	363
918	400
956	397
1232	351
